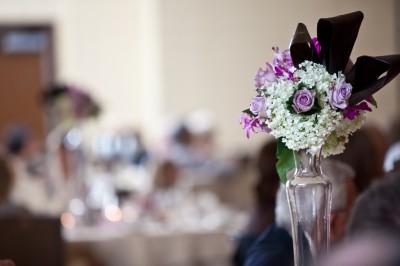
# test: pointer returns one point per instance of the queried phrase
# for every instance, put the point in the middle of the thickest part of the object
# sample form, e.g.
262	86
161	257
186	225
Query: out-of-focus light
73	139
113	213
210	222
77	207
102	145
68	220
129	214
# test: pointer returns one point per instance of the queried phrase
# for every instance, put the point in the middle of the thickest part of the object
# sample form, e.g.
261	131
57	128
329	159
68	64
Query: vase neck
307	164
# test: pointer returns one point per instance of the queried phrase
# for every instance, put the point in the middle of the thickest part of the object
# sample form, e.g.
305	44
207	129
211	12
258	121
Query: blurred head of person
19	141
365	250
394	131
167	175
268	179
365	153
343	196
16	139
377	209
265	188
182	135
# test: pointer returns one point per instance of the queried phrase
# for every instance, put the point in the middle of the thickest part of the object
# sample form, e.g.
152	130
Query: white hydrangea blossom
335	144
325	128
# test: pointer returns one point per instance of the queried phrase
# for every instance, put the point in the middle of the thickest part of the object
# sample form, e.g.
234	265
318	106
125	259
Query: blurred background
120	118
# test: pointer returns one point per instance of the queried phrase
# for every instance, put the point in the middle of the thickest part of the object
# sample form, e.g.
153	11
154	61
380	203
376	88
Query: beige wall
147	59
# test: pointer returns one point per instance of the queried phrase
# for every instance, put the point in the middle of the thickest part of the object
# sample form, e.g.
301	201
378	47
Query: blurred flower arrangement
68	104
304	98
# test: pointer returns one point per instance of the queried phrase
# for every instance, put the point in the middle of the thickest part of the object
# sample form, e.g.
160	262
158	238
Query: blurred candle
68	220
113	213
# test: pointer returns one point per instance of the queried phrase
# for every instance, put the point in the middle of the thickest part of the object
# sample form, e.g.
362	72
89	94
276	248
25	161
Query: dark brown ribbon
337	36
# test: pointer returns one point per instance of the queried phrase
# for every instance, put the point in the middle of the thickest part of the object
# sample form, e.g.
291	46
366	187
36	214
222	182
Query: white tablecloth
119	247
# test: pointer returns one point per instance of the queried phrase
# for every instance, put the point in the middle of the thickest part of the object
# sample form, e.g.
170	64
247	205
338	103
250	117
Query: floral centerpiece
67	105
312	95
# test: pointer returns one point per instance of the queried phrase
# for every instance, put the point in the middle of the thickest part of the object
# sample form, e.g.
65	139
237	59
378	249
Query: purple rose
258	106
264	77
339	95
303	100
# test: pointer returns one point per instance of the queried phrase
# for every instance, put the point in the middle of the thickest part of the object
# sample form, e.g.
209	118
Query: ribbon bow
336	37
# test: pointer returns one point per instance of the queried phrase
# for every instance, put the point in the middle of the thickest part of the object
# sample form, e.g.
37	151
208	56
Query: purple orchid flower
283	63
252	124
351	112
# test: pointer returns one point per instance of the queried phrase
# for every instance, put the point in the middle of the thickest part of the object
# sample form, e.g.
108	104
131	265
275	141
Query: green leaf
372	101
247	111
286	160
302	85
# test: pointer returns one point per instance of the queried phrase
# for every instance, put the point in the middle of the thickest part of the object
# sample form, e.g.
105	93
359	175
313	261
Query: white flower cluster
325	128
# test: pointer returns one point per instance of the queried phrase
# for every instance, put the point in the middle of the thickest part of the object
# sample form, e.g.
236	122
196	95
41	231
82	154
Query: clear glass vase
309	196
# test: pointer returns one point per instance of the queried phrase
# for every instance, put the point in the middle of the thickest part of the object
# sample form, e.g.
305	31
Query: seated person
7	208
365	250
378	208
265	193
373	232
274	246
365	153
